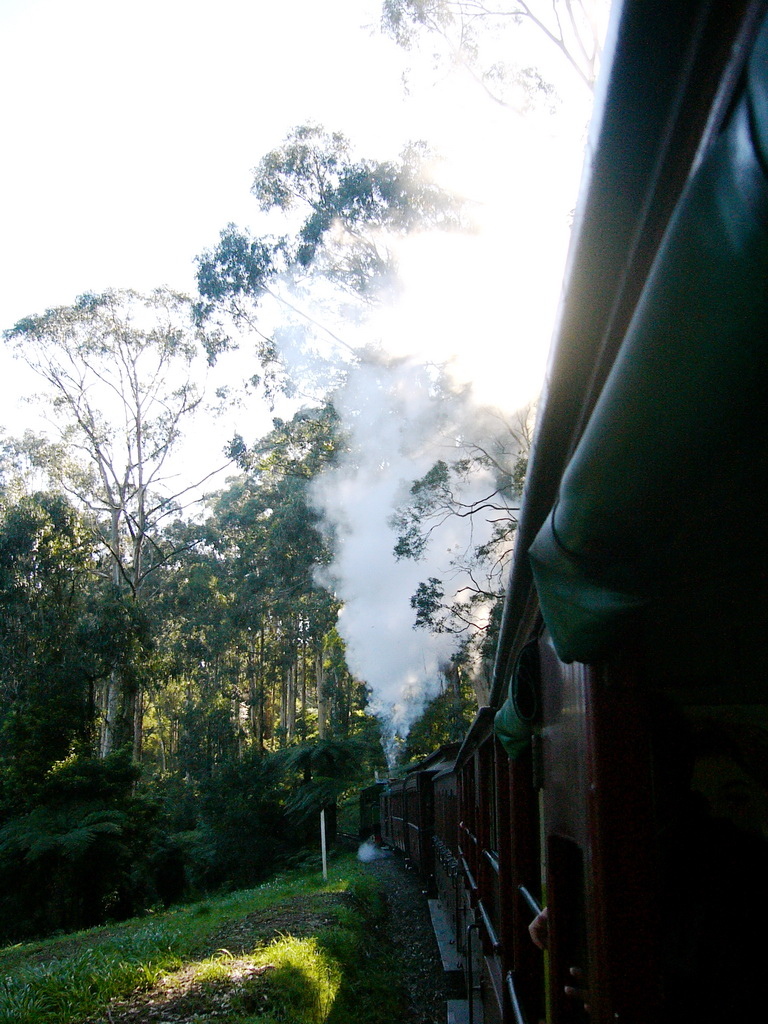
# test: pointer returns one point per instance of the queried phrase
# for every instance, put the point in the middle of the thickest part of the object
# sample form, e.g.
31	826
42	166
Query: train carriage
448	880
639	575
419	788
408	810
615	793
393	810
500	863
370	811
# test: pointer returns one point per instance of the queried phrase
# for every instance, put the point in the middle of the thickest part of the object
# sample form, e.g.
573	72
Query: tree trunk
290	702
110	711
112	696
260	710
253	698
303	729
322	705
138	725
283	721
453	676
163	759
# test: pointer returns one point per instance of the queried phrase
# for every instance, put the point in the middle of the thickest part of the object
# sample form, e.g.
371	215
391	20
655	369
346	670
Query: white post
322	845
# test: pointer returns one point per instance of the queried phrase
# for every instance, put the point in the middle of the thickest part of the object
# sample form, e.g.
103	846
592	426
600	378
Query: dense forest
177	701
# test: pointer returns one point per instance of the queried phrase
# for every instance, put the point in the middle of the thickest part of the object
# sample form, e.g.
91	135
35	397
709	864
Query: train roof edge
670	74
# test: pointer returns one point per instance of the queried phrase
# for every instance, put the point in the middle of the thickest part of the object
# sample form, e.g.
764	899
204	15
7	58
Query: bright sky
130	127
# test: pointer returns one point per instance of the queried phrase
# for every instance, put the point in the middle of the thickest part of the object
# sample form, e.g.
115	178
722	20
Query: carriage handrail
532	902
517	1010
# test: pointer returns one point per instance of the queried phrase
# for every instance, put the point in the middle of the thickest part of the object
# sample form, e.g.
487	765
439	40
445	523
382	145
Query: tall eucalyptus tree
121	376
336	256
475	36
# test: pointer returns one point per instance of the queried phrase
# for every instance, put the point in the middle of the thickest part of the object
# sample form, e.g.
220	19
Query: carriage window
711	805
567	922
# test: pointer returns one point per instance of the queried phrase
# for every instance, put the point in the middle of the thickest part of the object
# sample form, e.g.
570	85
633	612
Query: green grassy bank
294	950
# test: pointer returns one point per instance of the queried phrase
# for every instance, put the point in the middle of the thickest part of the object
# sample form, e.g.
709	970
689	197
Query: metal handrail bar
470	979
517	1010
470	876
489	927
492	859
533	904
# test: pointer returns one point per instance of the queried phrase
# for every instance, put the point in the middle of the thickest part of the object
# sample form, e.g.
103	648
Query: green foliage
62	632
240	268
75	986
241	834
427	493
314	171
302	446
239	265
428	603
341	214
267	515
84	851
241	614
326	770
402	19
341	970
445	719
52	634
65	834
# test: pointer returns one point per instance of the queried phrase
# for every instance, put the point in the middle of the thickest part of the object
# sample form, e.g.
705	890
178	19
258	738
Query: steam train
619	776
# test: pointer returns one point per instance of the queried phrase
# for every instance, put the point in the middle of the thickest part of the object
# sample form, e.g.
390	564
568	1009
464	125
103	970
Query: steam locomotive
618	779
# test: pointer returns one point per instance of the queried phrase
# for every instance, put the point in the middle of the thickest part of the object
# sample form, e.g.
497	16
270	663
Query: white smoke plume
478	308
369	852
395	423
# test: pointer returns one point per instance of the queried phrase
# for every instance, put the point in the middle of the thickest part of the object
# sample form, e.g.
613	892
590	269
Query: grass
329	964
75	984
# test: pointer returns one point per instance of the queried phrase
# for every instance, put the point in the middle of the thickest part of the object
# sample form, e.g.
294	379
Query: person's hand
577	991
538	929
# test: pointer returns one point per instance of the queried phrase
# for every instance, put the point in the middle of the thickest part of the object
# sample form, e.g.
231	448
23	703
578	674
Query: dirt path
181	999
411	931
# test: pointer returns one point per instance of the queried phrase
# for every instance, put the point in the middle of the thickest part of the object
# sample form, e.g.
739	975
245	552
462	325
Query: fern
68	832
